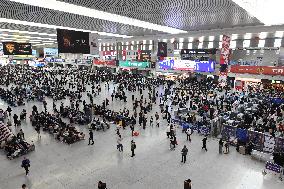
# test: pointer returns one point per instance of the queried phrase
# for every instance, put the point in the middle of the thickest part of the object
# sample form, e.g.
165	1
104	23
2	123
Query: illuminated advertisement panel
190	65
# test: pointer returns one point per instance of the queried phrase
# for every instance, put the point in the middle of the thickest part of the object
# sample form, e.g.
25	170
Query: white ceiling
36	20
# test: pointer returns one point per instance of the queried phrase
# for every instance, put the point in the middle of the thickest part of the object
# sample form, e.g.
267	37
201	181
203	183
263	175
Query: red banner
110	62
99	62
258	70
225	50
105	62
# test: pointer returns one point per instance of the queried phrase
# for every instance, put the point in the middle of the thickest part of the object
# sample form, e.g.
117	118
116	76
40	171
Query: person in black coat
204	141
91	137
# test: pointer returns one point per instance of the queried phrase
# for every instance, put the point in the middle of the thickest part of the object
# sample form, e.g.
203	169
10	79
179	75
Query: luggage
136	133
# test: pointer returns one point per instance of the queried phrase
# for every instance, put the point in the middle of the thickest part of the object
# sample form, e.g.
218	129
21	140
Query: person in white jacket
119	144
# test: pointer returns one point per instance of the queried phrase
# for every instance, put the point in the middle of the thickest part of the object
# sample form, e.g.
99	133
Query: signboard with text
258	70
134	64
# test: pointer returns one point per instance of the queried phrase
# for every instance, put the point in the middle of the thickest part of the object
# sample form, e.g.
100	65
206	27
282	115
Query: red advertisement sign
110	62
98	62
258	70
105	62
225	50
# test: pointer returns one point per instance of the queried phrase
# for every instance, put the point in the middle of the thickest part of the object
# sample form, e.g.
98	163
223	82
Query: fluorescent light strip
84	11
268	12
58	27
28	37
28	32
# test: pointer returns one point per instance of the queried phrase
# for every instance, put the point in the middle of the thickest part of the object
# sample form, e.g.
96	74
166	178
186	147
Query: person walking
91	137
26	164
184	152
227	148
220	146
132	129
133	147
204	141
119	145
37	128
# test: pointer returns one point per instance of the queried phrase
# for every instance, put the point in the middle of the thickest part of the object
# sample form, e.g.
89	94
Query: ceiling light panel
84	11
5	20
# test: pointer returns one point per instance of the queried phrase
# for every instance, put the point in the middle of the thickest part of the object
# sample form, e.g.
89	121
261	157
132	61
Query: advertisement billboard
225	50
162	49
94	43
105	62
189	65
13	48
73	42
144	55
257	70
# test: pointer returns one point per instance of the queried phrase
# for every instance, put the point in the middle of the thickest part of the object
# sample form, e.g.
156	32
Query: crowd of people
196	102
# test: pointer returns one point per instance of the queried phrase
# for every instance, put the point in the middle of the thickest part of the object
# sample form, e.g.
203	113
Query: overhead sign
198	51
134	64
258	70
54	60
50	52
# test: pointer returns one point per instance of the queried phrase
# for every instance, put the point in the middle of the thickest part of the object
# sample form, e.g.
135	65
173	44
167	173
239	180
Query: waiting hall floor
55	165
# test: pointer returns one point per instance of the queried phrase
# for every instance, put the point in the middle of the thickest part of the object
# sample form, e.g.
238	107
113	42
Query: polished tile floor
59	166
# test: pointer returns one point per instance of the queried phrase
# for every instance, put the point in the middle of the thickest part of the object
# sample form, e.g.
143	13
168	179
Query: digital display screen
13	48
73	41
190	65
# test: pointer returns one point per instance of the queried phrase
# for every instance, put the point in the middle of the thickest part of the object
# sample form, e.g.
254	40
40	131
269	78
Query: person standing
188	134
151	121
26	164
204	141
157	119
132	129
227	147
220	146
37	128
184	154
9	110
133	147
24	186
91	137
119	145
